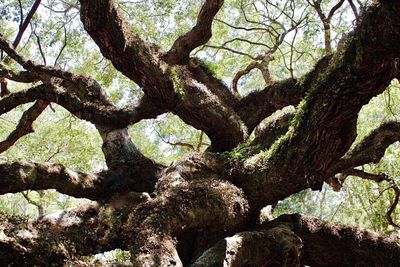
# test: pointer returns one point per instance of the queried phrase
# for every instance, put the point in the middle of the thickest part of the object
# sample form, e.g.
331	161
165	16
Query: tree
204	208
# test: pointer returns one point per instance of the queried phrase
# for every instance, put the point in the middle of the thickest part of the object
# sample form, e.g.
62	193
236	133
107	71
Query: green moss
209	66
241	152
173	73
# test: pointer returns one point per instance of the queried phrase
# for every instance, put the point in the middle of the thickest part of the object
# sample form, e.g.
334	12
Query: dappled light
199	133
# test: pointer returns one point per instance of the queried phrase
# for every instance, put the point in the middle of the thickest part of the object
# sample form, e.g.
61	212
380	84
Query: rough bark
341	245
370	149
56	239
325	124
206	196
291	240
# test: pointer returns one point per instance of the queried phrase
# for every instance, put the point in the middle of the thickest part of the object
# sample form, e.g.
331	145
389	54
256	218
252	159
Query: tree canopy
199	133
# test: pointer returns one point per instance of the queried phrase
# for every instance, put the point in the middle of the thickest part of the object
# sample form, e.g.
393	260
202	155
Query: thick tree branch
19	176
325	124
118	149
340	245
276	126
99	115
202	74
278	246
129	170
197	36
258	105
58	238
161	84
21	77
303	240
371	148
207	109
129	54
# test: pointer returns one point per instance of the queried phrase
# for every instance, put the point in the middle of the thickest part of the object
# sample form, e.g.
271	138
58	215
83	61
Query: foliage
62	138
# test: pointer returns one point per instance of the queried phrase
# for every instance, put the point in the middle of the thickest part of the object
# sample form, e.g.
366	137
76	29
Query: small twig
63	47
39	45
380	178
179	143
200	143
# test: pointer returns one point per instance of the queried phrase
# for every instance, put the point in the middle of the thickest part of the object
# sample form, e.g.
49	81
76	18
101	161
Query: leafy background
60	137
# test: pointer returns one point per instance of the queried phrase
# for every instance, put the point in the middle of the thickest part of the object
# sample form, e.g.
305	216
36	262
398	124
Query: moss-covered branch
371	148
324	126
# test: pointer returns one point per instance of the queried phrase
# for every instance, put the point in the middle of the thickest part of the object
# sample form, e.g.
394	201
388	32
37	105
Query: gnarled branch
20	176
52	238
197	36
371	148
129	54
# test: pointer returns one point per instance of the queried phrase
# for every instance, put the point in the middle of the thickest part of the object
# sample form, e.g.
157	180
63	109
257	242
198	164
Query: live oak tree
204	208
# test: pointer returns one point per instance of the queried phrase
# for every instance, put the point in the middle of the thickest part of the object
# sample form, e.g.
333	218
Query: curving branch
97	114
277	126
262	66
21	176
129	54
24	126
197	36
371	148
277	34
321	132
205	106
258	105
